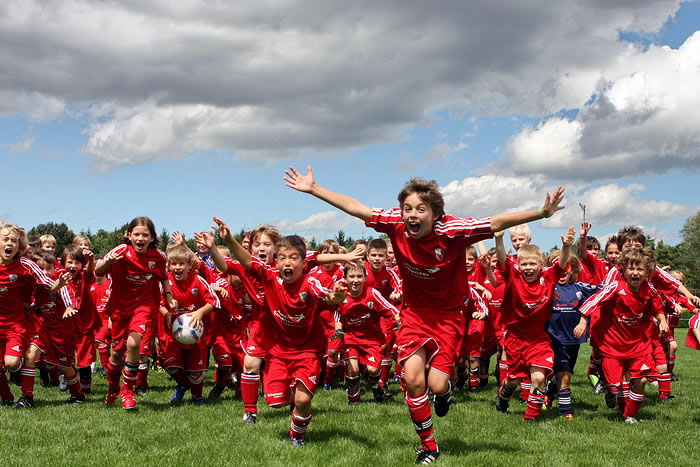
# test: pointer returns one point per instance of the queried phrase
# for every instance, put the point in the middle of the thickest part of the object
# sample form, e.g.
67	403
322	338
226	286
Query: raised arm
500	247
582	250
207	239
550	206
240	253
306	184
566	240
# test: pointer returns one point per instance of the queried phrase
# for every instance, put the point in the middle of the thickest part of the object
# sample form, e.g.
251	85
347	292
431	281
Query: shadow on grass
331	436
459	446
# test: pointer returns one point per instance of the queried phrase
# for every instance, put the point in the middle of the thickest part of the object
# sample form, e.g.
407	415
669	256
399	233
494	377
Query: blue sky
187	111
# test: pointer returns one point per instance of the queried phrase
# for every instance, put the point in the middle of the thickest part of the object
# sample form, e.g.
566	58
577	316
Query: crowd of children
420	300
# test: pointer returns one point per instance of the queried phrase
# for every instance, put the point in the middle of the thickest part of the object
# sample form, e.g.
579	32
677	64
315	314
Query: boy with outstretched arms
527	306
357	324
292	299
429	247
627	305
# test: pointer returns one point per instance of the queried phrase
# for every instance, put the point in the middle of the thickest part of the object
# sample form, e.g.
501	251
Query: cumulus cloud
270	79
326	221
22	146
610	204
644	121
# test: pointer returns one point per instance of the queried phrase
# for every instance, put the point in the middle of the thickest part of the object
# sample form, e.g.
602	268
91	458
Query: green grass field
365	434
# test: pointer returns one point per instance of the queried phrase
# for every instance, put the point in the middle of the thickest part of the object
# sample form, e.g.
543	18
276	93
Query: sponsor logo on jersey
195	291
200	363
439	254
579	295
12	277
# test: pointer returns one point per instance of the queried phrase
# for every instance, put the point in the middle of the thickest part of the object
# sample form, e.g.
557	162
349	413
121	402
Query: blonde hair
529	251
634	255
223	250
678	275
179	253
356	265
21	236
269	230
47	238
521	229
82	238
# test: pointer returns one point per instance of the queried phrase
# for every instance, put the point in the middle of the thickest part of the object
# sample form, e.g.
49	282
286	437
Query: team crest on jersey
151	264
579	295
439	253
304	296
542	281
12	277
370	305
195	291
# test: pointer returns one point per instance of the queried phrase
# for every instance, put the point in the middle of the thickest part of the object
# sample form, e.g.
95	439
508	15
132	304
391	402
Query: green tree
689	257
64	235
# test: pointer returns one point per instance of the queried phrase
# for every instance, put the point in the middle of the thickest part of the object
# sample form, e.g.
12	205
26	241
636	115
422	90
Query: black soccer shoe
24	402
502	404
378	392
426	456
442	404
610	399
215	393
75	400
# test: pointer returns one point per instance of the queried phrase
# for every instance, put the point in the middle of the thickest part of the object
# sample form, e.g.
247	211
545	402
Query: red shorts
12	342
366	354
281	375
439	333
690	340
390	342
104	334
471	344
261	337
489	346
140	323
85	348
524	354
175	356
657	352
614	368
667	338
57	346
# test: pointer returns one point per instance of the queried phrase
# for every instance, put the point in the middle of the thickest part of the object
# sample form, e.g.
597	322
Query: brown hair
611	241
295	242
74	252
329	246
471	251
21	236
592	242
632	255
82	238
354	265
223	250
269	230
146	222
377	244
427	191
180	253
630	233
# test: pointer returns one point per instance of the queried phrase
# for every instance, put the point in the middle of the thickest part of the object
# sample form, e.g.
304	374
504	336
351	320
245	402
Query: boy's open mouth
287	273
8	250
413	227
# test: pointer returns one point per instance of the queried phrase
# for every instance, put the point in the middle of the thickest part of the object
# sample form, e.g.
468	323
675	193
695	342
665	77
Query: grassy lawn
365	434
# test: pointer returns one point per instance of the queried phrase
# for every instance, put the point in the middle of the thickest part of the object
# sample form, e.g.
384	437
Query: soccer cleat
249	417
442	404
326	387
674	377
215	393
593	379
298	442
75	400
103	373
178	394
631	420
7	403
386	392
128	401
111	397
610	399
24	402
378	392
473	389
62	385
665	400
502	404
569	417
426	456
199	401
599	387
140	390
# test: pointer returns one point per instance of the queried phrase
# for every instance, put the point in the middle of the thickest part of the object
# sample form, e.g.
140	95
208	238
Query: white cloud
270	79
326	221
605	205
643	121
23	146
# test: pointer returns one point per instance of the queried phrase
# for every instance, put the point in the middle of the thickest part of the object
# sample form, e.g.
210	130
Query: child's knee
12	363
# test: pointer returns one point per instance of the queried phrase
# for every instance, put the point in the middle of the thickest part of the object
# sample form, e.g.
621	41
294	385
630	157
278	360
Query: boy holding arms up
429	247
527	306
292	299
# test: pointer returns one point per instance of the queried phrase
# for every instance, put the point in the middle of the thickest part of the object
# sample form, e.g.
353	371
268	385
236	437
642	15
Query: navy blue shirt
565	315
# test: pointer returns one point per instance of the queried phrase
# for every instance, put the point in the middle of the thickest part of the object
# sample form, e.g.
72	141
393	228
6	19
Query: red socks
422	417
633	403
249	391
534	405
331	368
113	376
196	385
664	380
28	375
297	430
525	385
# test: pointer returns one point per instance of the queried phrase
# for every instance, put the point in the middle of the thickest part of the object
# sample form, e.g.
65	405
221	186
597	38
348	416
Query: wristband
542	216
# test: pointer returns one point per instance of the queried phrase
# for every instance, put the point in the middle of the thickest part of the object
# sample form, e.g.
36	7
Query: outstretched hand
178	238
551	202
222	229
568	238
204	238
585	228
299	182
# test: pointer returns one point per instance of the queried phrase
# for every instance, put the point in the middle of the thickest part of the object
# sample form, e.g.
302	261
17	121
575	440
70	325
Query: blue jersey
565	315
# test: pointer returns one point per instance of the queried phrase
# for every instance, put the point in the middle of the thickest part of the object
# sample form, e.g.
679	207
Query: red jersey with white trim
99	294
295	309
229	320
361	316
474	304
327	280
87	309
192	294
17	281
51	308
527	306
386	281
135	281
625	317
432	268
662	281
593	269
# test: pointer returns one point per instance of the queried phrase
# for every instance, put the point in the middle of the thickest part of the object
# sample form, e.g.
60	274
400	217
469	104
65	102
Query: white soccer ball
185	332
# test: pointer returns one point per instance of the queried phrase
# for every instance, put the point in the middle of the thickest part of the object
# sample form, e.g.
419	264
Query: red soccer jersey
386	281
432	268
662	281
625	317
327	280
135	281
99	295
593	269
229	320
17	281
360	316
51	307
527	306
87	309
192	294
295	309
